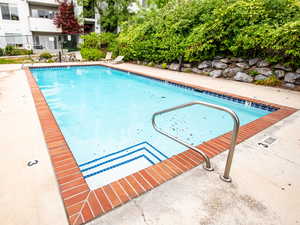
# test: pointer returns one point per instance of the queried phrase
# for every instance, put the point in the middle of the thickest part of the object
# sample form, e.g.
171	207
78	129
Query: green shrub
50	61
151	64
203	29
97	41
270	81
45	55
9	50
164	66
91	54
91	40
107	40
22	52
1	52
253	73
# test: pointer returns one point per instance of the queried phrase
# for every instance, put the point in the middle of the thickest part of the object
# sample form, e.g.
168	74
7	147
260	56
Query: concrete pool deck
265	188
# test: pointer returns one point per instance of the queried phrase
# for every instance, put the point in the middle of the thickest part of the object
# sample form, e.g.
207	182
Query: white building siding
30	24
43	25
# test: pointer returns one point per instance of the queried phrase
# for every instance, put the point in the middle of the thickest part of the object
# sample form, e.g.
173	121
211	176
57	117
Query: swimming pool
105	117
81	200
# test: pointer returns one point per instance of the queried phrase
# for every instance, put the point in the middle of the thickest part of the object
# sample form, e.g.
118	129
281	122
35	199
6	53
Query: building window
43	13
9	11
14	39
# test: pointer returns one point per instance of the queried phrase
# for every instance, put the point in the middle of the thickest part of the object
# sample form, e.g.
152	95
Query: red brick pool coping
82	204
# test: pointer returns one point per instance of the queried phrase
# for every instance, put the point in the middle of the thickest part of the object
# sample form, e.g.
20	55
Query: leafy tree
202	29
65	18
157	3
112	12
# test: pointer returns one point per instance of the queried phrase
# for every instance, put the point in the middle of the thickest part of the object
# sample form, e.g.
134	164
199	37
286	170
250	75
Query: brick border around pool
83	204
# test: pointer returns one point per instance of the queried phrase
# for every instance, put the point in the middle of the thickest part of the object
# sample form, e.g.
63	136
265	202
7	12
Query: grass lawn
15	60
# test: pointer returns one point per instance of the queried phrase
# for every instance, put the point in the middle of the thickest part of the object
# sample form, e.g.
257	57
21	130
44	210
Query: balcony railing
44	2
43	25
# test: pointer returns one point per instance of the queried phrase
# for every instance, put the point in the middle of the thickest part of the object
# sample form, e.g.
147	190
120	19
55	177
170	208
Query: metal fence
42	42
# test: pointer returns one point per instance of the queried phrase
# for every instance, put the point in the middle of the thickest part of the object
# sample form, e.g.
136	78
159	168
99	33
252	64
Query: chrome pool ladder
207	166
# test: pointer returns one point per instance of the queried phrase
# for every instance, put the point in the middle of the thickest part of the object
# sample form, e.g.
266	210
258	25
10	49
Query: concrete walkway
265	188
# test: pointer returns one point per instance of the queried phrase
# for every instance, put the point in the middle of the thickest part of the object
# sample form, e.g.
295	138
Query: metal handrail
207	166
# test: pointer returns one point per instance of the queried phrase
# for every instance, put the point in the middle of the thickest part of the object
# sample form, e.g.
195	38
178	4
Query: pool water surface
105	117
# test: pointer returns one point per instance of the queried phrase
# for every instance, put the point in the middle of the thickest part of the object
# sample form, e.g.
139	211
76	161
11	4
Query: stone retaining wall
244	70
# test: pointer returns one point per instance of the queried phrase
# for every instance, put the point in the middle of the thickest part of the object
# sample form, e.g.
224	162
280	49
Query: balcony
43	25
43	2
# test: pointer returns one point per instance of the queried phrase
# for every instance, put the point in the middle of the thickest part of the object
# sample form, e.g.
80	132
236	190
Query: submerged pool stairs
106	169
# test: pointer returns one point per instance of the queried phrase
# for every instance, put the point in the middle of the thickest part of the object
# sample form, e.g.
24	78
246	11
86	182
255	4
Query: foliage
45	55
103	40
158	3
112	12
274	59
253	73
1	51
164	66
270	81
11	51
108	40
91	54
90	40
19	51
200	30
65	18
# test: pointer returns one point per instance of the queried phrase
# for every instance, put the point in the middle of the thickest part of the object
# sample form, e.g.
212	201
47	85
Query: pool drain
267	142
32	163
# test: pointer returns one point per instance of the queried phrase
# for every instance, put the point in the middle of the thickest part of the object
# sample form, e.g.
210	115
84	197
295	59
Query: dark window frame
9	11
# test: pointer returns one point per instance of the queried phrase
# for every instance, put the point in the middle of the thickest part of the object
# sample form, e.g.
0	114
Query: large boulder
262	63
196	70
187	65
231	72
292	77
289	85
216	73
260	77
204	64
281	67
237	60
264	71
225	60
218	57
219	65
244	77
243	65
279	73
207	70
253	62
174	66
186	70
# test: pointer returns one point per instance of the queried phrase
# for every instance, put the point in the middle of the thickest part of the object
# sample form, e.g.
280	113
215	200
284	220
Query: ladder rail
225	177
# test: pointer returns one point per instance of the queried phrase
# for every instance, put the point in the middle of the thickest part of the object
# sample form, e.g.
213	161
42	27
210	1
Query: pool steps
106	169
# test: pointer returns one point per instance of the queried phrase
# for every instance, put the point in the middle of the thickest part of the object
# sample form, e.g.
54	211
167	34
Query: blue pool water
104	112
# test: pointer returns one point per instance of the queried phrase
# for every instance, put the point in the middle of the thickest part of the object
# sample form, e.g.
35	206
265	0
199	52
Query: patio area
265	187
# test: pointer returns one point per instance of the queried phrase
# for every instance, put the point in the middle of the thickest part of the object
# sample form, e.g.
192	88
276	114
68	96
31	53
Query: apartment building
29	24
